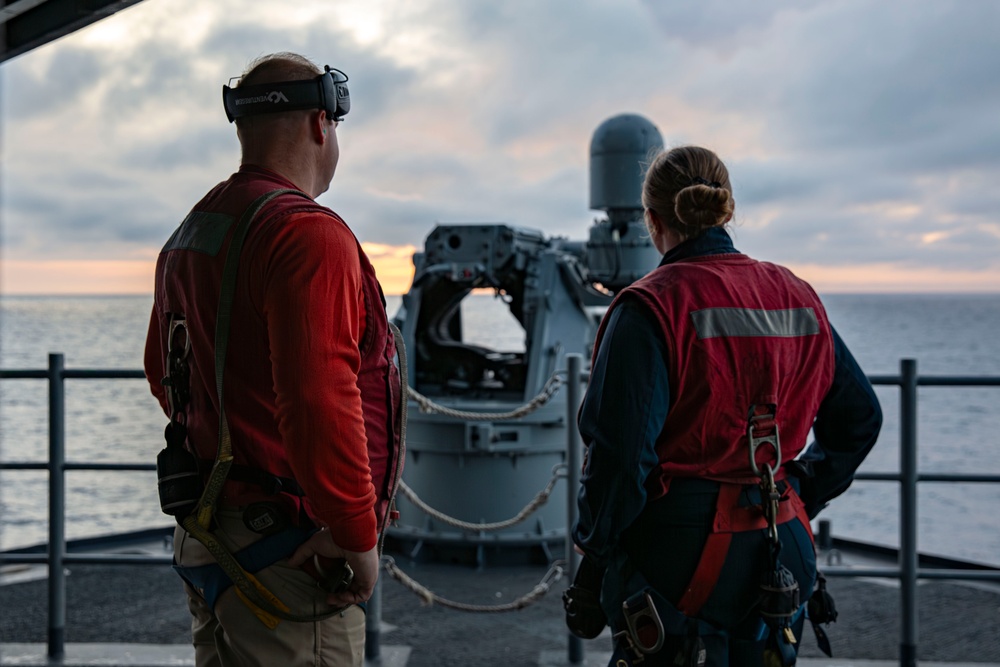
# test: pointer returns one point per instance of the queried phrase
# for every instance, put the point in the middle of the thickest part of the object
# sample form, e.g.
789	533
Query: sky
862	137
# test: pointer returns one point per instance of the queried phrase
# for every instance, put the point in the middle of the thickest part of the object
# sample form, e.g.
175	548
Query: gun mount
557	290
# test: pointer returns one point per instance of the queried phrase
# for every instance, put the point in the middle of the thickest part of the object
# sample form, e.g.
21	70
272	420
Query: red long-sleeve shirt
291	376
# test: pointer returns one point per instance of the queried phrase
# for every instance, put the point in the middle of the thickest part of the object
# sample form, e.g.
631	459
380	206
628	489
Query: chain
429	597
542	497
543	397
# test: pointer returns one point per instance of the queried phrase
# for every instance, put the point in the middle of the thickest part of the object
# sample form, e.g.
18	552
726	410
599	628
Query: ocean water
118	420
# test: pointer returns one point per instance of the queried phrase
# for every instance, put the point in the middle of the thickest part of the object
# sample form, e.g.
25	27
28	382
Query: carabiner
769	498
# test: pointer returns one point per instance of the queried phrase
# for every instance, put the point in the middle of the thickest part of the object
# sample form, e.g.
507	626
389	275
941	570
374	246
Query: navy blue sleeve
622	414
846	427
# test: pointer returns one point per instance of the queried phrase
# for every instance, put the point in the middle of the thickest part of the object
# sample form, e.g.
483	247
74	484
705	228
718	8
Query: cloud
857	134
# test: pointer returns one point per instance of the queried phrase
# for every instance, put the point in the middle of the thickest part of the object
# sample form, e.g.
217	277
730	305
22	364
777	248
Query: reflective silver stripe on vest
722	322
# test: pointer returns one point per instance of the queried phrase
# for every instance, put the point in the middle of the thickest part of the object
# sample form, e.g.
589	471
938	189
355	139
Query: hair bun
703	204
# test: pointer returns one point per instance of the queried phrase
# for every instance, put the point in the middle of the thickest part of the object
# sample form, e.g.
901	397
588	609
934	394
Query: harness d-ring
755	441
640	613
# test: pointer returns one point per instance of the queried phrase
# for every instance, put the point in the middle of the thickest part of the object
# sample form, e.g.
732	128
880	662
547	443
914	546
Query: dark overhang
28	24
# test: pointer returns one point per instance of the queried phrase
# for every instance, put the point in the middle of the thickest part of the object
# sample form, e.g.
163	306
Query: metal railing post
373	623
908	511
57	507
574	459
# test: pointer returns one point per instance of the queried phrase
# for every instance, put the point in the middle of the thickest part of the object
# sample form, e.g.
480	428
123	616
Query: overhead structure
28	24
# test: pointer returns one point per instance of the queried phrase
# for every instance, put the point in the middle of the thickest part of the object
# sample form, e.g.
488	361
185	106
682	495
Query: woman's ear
653	222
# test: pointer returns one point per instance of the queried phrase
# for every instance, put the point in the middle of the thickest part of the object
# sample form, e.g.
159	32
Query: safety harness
197	516
648	618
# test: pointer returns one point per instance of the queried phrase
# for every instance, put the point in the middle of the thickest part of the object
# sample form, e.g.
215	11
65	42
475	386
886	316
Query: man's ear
318	126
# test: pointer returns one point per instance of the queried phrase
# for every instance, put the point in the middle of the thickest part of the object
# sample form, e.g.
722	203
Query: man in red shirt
310	389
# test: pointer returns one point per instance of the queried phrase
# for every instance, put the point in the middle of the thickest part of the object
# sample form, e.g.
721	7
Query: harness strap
731	518
397	474
271	484
262	602
713	556
211	580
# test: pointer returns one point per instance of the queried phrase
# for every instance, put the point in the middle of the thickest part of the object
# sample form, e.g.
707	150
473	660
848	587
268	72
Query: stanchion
908	511
373	622
57	507
573	463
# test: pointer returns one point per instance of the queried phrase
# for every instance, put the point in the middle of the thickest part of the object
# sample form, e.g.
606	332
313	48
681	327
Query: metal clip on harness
779	599
641	617
178	479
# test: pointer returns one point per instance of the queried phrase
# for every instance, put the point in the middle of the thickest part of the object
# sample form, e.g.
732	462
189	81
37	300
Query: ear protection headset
328	91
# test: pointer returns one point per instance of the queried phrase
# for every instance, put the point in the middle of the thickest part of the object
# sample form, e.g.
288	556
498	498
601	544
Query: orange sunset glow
394	267
393	264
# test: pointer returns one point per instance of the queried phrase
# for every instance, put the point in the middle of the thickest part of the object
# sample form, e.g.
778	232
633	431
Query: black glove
582	602
802	478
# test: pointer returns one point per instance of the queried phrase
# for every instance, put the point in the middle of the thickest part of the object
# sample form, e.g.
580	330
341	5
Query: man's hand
364	564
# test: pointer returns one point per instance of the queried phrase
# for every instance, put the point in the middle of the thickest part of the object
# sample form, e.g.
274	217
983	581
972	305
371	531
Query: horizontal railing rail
57	557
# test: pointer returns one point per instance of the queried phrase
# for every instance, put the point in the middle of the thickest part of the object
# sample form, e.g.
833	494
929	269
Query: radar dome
619	154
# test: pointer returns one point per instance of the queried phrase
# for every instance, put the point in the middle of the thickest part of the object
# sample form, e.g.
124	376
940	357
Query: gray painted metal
28	24
619	249
57	507
574	463
487	471
620	150
908	563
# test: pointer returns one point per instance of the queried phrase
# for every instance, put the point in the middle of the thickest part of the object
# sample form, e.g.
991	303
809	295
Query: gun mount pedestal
475	470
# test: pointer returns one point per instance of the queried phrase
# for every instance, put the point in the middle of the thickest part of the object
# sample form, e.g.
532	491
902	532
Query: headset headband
328	91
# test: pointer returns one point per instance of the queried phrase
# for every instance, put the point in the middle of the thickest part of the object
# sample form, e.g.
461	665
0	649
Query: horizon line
485	291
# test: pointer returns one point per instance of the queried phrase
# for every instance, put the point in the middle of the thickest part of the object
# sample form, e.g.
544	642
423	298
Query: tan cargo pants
231	636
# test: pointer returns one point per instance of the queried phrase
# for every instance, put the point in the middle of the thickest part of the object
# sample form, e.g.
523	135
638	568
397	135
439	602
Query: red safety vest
187	269
739	333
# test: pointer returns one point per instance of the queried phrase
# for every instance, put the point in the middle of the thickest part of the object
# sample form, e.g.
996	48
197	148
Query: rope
554	573
547	392
542	497
429	597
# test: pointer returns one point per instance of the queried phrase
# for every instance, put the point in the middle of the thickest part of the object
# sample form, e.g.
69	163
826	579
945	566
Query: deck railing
907	570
